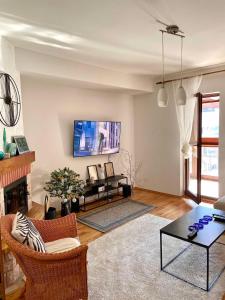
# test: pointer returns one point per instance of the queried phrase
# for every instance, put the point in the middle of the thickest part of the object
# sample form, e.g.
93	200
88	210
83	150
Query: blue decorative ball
203	221
2	155
208	218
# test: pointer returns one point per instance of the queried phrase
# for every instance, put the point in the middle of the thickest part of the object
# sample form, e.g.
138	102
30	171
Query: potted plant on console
66	185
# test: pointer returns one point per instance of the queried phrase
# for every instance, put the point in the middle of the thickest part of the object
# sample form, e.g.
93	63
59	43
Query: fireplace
16	196
16	171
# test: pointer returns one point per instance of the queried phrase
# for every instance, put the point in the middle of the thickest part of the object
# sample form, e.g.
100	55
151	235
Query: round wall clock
10	105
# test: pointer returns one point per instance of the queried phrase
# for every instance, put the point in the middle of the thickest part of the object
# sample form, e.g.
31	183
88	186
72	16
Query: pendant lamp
181	97
162	96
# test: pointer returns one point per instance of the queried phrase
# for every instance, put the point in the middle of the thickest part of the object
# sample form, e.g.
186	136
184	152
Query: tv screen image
96	137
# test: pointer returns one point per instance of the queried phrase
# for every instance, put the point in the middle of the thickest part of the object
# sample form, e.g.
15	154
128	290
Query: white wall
157	146
49	111
7	64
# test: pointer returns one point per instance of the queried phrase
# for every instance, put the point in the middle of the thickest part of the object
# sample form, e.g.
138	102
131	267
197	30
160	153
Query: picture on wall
96	137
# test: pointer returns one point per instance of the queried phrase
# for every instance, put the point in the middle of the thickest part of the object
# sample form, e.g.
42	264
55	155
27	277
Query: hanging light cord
163	69
181	61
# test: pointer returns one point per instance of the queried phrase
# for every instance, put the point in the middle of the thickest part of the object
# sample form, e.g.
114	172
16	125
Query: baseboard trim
156	192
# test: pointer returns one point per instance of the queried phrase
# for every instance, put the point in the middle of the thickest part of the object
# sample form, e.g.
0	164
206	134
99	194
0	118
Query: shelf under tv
103	197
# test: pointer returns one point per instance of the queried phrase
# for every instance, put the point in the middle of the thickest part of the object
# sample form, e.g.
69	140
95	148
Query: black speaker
126	190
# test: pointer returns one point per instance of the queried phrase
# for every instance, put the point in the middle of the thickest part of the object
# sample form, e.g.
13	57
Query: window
210	144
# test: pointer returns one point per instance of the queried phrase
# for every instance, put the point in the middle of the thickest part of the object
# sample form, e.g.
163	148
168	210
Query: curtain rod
187	77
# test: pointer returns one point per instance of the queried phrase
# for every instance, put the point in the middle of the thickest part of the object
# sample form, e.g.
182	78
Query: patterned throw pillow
24	231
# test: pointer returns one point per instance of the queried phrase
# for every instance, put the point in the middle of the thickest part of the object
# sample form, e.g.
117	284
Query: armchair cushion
62	245
24	231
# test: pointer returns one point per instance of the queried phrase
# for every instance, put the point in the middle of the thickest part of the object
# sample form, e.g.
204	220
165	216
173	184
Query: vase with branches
126	164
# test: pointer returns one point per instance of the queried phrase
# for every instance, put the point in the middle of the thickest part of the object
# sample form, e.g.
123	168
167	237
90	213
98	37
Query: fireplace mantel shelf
10	164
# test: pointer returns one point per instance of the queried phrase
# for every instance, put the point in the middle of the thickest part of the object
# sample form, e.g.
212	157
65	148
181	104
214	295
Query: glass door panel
210	171
193	164
210	120
210	164
192	174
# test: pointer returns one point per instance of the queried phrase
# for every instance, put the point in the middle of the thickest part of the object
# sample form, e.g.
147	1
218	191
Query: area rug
124	264
115	214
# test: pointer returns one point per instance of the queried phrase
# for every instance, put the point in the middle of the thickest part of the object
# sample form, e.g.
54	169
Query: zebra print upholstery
24	231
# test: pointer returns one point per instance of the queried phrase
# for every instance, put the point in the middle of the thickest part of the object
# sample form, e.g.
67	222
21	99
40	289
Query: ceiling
118	34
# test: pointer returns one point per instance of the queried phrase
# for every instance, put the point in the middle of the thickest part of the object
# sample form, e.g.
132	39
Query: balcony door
201	169
193	164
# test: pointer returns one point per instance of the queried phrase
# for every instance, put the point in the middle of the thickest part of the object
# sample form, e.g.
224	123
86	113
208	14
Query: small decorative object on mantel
2	155
10	105
21	144
67	185
11	148
7	155
4	140
5	145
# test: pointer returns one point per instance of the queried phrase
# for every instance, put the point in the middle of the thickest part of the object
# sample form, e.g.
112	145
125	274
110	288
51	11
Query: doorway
202	168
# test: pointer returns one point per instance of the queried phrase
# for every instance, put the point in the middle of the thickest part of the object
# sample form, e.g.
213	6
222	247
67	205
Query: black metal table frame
208	284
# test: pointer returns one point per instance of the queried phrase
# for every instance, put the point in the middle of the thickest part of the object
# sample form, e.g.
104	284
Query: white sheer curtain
185	113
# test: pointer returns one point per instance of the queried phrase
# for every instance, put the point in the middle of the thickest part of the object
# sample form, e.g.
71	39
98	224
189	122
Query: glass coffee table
205	238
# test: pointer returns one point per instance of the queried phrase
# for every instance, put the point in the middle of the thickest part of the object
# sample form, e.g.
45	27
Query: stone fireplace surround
11	170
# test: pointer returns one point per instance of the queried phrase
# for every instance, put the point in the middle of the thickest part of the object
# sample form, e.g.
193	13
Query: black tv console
103	189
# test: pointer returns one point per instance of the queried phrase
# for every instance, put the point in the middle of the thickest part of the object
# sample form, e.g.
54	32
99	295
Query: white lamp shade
162	97
181	96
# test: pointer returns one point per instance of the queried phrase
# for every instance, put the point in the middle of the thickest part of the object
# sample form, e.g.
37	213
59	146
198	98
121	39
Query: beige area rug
125	265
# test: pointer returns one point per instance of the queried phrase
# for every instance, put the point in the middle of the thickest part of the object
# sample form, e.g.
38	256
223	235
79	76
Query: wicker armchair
57	276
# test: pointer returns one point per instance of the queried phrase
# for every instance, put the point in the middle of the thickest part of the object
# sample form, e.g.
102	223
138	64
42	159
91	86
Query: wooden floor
166	206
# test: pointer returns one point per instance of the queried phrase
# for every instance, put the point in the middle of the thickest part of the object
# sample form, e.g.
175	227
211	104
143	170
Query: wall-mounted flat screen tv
96	137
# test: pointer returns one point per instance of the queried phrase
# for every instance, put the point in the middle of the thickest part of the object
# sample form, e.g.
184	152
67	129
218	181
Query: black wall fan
10	105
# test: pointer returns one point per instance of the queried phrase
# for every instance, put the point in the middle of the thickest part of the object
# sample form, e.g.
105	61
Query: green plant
65	184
